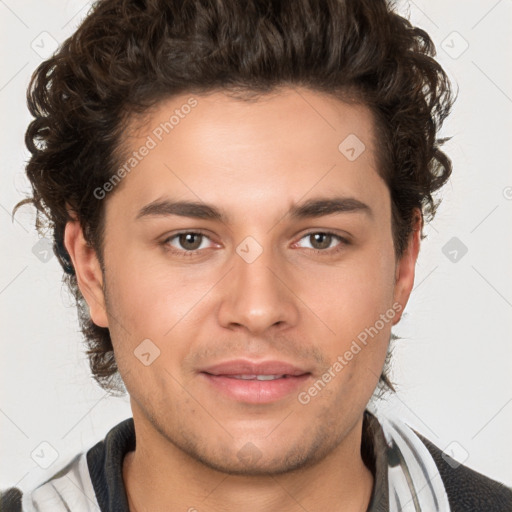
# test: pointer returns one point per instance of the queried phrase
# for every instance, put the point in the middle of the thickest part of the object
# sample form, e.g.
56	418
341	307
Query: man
237	193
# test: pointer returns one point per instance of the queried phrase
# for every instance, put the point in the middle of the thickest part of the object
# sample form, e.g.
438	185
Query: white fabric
72	491
415	483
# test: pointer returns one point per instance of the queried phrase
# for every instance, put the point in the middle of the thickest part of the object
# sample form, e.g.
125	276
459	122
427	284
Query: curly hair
128	55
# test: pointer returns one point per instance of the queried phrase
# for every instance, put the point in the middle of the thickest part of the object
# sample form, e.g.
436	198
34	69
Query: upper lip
245	367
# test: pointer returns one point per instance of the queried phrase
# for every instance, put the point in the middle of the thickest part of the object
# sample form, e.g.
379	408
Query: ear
406	266
88	271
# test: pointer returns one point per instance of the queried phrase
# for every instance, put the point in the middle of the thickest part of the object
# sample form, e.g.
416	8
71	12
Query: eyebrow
310	209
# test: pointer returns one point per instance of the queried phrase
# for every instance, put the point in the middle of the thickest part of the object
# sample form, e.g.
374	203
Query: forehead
280	147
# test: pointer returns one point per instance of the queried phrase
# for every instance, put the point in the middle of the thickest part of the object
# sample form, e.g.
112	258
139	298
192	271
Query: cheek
151	298
356	303
351	297
167	307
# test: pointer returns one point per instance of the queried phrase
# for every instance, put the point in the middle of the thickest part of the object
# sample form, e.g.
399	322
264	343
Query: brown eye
190	241
187	243
321	240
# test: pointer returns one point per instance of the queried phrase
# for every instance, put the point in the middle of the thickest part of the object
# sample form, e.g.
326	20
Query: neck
159	477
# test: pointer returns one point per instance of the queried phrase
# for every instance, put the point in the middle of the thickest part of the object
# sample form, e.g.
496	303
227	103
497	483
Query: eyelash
326	252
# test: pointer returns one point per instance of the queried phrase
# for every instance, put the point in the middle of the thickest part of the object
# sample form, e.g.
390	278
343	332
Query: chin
262	466
261	456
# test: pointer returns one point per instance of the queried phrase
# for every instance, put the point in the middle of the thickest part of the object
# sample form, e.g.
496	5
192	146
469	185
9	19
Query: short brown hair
128	55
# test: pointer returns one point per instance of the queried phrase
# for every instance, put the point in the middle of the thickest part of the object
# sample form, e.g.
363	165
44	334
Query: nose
257	296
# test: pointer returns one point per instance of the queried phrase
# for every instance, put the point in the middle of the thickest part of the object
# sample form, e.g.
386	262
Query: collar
105	461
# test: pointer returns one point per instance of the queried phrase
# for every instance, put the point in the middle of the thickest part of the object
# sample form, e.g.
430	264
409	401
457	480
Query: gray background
454	363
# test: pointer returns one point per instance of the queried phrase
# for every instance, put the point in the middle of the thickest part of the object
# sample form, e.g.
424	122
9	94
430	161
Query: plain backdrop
453	363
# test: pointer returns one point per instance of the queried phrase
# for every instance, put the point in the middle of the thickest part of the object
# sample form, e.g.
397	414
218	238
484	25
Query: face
251	328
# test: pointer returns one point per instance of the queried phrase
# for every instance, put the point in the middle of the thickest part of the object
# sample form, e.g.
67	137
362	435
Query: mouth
255	383
257	377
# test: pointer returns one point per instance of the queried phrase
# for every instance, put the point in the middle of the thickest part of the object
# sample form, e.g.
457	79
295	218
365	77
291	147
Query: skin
253	160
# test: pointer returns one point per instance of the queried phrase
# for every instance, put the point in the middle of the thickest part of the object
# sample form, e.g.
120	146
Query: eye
322	241
186	243
190	243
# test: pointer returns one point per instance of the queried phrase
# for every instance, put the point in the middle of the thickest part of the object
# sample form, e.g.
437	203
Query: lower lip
256	391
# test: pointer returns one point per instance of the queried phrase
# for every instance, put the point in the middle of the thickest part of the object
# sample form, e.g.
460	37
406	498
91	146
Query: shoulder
69	489
468	490
92	481
50	495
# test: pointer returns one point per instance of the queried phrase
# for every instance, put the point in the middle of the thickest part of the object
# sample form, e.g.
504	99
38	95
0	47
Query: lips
243	367
255	382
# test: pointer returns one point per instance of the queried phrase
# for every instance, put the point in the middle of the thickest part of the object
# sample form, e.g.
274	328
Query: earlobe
406	266
88	271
